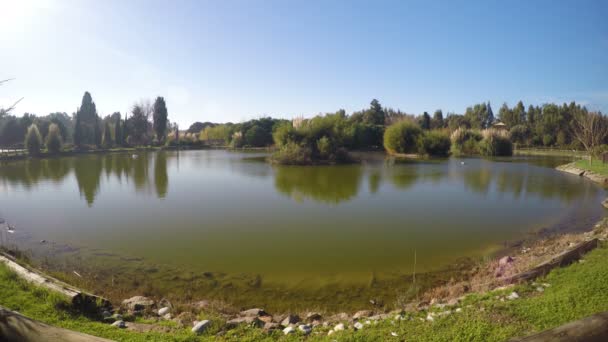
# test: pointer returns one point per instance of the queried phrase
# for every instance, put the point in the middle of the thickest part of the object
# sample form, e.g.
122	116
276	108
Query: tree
437	121
118	138
590	129
138	127
87	130
489	116
160	118
11	132
425	121
33	140
106	141
375	115
54	142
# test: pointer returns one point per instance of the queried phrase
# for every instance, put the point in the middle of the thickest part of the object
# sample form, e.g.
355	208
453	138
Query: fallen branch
589	329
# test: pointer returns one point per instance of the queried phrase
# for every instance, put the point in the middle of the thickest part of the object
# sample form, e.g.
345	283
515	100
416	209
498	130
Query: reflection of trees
88	173
328	184
161	179
88	170
374	181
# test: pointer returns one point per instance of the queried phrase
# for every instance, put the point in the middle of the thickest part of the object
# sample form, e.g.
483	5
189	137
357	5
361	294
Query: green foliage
324	147
138	125
106	141
87	130
495	143
159	115
402	137
465	141
54	142
520	134
283	134
257	136
118	130
33	140
217	133
434	143
293	153
425	121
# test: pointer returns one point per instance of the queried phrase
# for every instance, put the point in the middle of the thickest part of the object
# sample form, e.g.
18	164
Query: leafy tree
437	121
54	141
33	140
402	137
138	125
434	143
11	132
106	141
257	136
425	121
118	129
87	131
375	114
160	118
198	127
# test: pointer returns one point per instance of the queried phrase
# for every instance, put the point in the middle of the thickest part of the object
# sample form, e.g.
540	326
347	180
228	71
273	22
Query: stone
379	317
394	334
358	326
138	303
362	314
331	332
163	311
253	312
458	310
119	324
106	314
254	321
340	317
540	289
430	318
290	319
513	296
313	316
117	316
339	327
271	326
505	260
289	330
605	203
305	328
167	316
201	326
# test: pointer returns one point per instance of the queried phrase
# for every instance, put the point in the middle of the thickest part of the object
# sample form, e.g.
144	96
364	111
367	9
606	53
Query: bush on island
434	143
402	137
496	143
33	140
53	139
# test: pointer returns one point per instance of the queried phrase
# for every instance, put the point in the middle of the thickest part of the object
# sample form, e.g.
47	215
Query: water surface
229	217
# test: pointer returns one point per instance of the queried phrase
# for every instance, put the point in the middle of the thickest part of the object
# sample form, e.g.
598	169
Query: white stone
458	310
512	296
163	311
540	289
339	327
305	328
358	326
289	330
394	334
201	326
119	324
430	318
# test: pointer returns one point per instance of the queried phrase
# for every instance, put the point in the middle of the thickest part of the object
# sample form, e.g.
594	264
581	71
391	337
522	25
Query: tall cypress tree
159	116
88	130
118	131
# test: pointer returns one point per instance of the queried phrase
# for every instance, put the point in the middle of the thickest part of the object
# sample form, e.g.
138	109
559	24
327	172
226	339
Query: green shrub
53	139
402	137
465	141
434	143
293	154
520	134
324	147
283	134
33	140
495	143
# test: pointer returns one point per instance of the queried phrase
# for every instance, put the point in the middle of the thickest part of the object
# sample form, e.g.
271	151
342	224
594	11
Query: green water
260	229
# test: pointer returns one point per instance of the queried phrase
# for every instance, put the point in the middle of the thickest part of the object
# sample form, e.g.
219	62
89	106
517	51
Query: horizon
299	59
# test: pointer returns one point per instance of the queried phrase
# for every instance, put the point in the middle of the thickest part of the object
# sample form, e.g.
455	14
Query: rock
505	260
605	203
430	318
201	326
313	316
290	319
106	314
513	296
254	321
163	311
138	303
331	332
341	317
362	314
394	334
379	317
358	326
253	313
265	319
453	301
339	327
458	310
305	328
117	317
167	316
119	324
271	326
289	330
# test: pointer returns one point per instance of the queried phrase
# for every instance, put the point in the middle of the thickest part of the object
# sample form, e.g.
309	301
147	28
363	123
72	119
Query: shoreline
574	170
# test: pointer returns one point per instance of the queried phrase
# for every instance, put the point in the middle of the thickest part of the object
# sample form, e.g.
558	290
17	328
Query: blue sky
236	60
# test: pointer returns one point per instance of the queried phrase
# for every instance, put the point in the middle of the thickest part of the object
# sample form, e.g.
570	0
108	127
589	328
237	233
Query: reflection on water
233	212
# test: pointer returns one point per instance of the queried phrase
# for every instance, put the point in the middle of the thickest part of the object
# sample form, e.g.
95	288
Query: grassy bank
567	294
596	166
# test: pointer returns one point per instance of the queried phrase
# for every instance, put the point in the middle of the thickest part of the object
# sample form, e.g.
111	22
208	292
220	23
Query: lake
227	225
